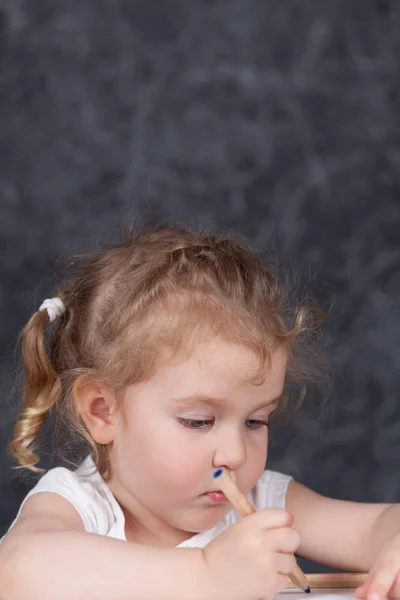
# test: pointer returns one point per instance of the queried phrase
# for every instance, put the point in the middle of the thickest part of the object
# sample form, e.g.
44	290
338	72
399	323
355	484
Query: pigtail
42	388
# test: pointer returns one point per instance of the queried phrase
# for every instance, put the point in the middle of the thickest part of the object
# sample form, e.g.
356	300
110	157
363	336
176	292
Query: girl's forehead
217	373
215	365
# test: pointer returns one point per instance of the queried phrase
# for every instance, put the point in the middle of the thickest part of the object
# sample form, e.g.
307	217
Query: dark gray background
277	118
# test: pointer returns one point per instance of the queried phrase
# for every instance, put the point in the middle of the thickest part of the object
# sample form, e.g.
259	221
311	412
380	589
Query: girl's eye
202	423
256	423
195	423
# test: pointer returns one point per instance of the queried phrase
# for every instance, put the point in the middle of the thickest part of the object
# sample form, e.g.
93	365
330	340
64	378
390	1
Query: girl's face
190	418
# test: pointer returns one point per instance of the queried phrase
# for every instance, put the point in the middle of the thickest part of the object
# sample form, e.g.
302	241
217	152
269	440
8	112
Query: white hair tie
55	307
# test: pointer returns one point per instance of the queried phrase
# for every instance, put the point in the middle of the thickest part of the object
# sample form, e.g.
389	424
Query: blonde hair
150	297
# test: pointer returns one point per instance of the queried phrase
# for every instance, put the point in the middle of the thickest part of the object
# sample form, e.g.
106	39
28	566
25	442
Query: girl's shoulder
270	490
87	492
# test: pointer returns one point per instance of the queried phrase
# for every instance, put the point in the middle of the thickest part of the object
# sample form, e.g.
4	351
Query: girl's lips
216	497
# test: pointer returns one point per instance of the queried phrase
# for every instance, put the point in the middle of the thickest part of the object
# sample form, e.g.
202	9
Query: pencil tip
217	473
308	590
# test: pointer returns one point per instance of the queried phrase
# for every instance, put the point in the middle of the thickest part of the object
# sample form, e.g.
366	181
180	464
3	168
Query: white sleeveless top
101	513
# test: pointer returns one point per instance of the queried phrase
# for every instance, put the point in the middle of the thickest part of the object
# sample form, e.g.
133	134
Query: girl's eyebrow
201	399
216	402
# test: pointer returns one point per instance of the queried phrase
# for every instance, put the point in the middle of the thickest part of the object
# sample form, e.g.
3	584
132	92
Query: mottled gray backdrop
279	119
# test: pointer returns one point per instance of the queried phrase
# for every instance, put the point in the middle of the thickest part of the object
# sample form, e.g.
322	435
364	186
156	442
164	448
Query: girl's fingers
360	591
379	585
381	578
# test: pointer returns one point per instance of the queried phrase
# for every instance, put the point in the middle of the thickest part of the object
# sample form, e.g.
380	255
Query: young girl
168	355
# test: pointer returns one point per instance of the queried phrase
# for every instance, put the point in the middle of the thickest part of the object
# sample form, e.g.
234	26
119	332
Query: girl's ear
97	406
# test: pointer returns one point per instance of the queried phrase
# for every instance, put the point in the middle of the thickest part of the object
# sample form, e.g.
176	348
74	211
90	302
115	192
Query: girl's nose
230	451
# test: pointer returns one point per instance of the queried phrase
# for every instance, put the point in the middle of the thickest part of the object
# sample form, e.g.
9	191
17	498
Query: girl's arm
48	555
337	533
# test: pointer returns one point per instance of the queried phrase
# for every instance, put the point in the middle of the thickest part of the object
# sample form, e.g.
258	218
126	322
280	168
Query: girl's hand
252	558
383	580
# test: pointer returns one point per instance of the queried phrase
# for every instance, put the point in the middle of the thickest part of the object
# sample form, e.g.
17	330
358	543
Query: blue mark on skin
217	473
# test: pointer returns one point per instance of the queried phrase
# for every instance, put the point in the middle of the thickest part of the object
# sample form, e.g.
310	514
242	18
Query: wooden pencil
334	580
240	502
